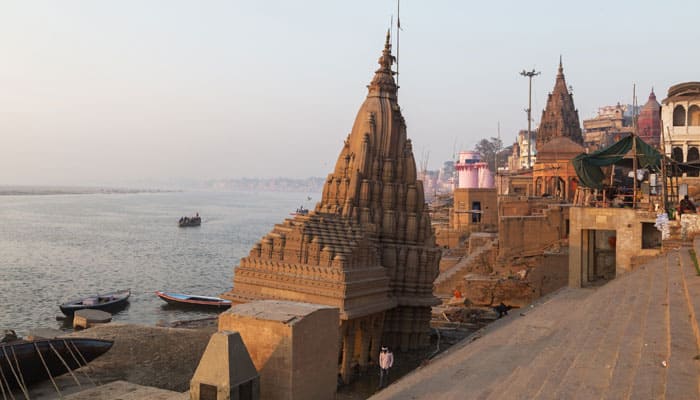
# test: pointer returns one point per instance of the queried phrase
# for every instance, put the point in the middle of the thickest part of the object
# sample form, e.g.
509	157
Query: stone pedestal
87	318
225	371
294	346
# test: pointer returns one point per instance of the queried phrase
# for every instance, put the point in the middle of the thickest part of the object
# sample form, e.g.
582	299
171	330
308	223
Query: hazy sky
104	92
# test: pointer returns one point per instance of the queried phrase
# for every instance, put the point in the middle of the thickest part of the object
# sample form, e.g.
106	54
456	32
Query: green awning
588	166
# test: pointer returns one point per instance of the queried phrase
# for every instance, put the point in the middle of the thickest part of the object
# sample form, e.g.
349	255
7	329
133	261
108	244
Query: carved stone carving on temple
368	247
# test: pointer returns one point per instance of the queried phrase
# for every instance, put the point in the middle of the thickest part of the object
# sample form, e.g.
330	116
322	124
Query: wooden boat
23	361
190	221
110	302
191	300
301	211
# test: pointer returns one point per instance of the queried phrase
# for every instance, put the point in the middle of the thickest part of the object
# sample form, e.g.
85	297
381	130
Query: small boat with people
110	302
25	362
193	300
301	211
185	222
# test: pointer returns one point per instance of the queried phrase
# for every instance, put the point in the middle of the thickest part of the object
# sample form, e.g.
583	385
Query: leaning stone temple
368	248
560	117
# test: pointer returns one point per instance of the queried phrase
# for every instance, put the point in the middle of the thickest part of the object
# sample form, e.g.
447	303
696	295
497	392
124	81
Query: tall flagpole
398	29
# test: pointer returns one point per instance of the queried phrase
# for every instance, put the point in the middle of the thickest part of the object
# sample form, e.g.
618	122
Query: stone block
87	318
225	371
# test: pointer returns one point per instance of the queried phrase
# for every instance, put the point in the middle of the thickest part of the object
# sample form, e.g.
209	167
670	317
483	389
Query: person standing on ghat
386	360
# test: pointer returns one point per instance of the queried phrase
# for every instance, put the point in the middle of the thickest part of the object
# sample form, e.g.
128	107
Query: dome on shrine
559	148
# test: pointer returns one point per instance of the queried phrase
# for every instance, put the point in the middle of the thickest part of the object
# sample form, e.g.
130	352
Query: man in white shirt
386	360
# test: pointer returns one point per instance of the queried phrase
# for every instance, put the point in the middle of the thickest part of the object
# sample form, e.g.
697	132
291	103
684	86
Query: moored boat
29	362
110	302
192	300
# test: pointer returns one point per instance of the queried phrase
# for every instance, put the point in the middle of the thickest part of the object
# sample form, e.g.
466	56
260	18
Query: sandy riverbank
166	358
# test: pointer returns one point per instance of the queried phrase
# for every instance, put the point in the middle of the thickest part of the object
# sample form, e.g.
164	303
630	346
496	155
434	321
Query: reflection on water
61	247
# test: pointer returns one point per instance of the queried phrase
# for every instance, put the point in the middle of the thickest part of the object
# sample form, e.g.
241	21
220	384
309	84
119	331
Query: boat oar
3	383
12	369
48	371
65	364
65	343
77	350
18	369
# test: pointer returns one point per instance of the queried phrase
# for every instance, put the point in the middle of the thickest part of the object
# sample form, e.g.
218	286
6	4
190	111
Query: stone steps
448	280
608	342
683	370
589	333
591	373
626	356
650	376
525	377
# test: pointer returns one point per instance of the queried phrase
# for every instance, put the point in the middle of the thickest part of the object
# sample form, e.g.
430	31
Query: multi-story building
610	125
680	115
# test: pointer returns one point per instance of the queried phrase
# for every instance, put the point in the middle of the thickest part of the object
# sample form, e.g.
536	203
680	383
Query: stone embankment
636	337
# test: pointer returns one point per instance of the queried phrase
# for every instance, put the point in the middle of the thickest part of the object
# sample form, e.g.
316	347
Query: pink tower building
472	172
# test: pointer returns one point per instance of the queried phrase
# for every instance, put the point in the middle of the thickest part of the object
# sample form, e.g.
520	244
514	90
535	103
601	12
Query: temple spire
560	117
383	81
561	66
386	60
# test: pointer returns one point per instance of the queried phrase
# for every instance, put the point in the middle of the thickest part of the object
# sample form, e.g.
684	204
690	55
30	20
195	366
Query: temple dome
559	148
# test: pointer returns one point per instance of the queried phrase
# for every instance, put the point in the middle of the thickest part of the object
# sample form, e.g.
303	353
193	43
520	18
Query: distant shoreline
47	191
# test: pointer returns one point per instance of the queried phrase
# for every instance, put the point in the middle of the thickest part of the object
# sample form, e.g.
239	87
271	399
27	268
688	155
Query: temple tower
560	117
367	248
648	122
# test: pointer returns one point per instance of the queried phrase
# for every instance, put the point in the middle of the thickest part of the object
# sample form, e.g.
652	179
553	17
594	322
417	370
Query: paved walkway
634	338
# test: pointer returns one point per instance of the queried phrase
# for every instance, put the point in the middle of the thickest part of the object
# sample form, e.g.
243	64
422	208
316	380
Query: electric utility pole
530	75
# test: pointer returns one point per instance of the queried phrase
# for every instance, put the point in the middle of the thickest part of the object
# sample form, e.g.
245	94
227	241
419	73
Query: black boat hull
20	361
120	302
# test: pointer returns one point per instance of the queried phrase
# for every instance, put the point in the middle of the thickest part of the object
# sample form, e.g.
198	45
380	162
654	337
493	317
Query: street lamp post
530	75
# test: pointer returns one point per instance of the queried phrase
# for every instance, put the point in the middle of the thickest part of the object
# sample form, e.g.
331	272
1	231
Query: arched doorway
694	115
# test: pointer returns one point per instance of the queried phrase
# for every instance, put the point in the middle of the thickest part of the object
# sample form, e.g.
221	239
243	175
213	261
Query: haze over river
55	248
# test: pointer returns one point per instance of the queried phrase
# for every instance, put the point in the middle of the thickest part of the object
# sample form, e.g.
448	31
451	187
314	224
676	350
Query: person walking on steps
386	361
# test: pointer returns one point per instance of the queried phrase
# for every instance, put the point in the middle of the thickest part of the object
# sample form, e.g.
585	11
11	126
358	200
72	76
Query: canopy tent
588	166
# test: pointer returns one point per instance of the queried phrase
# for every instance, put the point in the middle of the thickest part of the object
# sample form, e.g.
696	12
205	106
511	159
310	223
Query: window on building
679	116
694	115
476	212
677	154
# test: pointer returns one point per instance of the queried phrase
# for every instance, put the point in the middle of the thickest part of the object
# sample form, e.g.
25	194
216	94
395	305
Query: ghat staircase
635	337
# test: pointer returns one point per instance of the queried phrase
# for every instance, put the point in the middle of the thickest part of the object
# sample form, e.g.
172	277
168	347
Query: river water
55	248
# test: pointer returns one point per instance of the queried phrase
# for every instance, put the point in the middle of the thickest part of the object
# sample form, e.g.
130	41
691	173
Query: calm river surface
58	247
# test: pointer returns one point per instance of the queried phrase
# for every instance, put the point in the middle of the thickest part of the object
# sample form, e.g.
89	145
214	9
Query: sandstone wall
531	235
294	346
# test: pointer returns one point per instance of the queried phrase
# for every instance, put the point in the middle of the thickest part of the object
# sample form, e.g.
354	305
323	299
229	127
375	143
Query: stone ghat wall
517	238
